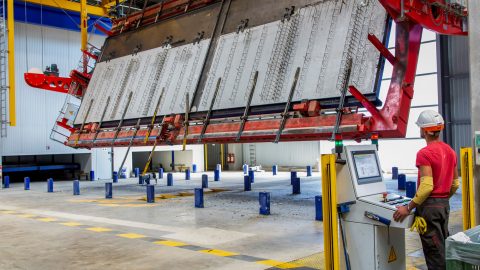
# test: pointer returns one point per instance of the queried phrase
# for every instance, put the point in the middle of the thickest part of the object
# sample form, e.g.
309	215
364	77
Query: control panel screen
366	167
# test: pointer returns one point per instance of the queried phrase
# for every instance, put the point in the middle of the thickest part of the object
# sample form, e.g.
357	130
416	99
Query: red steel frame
48	82
388	122
63	84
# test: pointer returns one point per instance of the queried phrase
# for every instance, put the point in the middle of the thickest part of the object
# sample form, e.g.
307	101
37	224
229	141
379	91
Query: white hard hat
430	121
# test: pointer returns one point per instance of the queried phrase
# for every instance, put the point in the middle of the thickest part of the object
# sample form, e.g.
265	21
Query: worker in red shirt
437	182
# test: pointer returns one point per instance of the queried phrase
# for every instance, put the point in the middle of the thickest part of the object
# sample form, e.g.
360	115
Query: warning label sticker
392	256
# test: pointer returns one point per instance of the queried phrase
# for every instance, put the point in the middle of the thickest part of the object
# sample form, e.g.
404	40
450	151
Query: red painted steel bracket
48	82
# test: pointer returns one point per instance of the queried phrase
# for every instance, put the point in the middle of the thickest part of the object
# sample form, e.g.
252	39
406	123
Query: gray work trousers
435	211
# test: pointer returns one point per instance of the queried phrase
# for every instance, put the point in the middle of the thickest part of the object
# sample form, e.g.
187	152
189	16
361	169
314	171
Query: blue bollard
146	179
194	168
309	170
293	175
274	169
204	181
411	187
92	175
247	183
6	182
26	183
140	180
123	173
245	169
199	198
296	186
50	185
169	179
187	174
150	193
216	175
394	172
108	190
402	179
264	200
251	174
160	173
76	187
318	208
115	177
136	172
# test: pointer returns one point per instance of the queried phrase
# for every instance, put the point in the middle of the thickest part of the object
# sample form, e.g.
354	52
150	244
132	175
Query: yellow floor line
170	243
99	229
47	219
131	235
26	215
278	264
71	224
218	252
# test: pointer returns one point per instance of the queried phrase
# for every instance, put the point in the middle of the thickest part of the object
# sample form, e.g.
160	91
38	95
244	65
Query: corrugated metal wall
37	109
455	90
283	154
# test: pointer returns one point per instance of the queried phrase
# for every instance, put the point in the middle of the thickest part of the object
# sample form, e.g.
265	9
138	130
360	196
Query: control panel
395	200
374	239
360	183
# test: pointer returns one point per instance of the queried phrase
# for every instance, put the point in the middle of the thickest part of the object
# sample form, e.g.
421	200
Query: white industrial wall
296	154
37	110
161	151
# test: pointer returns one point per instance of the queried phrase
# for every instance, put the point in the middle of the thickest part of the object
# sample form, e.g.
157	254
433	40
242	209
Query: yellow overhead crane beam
72	6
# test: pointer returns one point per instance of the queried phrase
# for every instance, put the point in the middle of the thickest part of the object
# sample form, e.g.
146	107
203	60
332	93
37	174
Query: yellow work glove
424	190
455	185
420	225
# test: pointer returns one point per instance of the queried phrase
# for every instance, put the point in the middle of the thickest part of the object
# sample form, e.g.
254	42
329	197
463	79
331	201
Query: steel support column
205	157
330	216
474	35
11	64
466	161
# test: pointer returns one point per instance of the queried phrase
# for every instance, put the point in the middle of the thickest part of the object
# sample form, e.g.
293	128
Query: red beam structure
48	82
308	121
155	13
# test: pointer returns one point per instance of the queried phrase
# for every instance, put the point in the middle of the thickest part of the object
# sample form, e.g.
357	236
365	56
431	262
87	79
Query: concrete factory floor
42	230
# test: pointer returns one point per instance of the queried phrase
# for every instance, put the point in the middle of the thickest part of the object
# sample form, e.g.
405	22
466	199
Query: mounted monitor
366	167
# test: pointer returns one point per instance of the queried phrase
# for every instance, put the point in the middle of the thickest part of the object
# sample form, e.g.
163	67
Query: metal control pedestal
373	239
